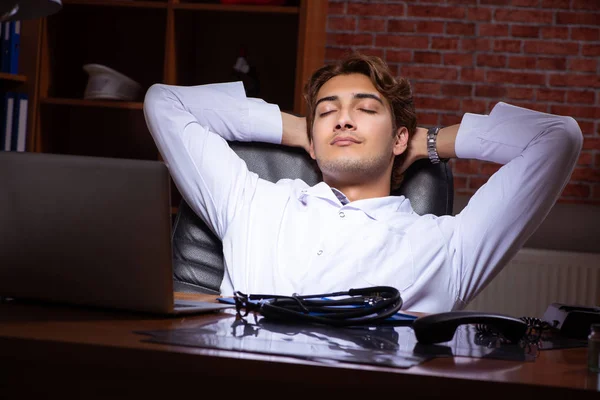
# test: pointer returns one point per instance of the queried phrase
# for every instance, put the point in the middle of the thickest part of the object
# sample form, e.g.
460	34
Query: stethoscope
362	306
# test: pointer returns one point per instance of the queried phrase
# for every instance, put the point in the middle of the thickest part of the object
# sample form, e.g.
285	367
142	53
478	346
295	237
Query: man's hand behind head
295	133
417	148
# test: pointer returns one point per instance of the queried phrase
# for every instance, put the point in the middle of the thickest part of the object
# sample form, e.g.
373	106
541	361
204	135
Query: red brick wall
466	55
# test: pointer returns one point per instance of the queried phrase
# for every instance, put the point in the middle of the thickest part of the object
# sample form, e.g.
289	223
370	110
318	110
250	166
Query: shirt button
342	215
319	252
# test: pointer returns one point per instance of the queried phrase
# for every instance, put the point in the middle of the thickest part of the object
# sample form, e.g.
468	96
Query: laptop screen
86	230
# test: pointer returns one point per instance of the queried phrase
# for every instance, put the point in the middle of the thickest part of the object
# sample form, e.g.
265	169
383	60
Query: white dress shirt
288	237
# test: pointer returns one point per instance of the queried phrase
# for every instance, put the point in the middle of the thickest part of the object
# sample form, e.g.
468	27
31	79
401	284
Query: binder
14	46
9	107
14	128
4	47
2	120
19	133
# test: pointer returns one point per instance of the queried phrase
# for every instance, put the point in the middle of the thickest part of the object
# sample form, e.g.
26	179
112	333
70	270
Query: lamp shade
12	10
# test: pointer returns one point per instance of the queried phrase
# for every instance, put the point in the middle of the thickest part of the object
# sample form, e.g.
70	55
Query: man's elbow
153	95
564	136
572	136
155	108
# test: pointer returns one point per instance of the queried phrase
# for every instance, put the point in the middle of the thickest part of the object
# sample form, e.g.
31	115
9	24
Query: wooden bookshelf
237	8
25	80
119	3
181	42
191	6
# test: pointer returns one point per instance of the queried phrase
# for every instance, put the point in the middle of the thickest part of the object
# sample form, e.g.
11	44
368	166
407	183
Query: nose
345	122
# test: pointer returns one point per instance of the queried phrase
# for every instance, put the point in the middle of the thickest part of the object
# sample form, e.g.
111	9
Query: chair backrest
198	253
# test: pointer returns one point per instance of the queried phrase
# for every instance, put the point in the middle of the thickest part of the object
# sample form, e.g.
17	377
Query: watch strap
432	144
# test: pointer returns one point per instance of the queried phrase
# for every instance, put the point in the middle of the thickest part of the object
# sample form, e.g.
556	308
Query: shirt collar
376	208
340	196
322	191
380	208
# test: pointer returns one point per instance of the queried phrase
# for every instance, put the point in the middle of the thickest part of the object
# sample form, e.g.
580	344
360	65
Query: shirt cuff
469	136
265	121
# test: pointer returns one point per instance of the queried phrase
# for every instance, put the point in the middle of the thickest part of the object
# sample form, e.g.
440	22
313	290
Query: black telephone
440	327
573	321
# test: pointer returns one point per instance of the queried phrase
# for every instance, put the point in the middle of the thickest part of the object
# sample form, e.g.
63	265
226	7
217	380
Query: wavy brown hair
397	91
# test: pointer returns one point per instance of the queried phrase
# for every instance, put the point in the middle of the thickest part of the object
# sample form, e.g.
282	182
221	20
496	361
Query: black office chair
198	253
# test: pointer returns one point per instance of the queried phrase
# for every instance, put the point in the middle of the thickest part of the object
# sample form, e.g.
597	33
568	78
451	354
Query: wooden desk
78	353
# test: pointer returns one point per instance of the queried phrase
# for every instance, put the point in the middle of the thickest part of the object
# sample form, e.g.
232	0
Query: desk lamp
13	10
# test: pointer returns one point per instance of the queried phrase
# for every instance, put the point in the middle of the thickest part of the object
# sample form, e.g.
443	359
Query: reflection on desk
381	345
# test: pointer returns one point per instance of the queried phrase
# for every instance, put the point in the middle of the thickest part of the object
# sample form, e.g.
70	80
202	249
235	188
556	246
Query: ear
311	149
400	140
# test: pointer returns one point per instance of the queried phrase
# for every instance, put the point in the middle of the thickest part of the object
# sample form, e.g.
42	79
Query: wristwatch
431	145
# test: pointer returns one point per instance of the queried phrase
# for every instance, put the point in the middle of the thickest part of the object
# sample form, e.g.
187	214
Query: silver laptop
89	231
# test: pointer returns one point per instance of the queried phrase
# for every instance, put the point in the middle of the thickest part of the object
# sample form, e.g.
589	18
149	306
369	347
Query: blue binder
14	46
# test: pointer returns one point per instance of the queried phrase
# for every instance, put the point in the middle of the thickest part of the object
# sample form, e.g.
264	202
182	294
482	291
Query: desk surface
85	352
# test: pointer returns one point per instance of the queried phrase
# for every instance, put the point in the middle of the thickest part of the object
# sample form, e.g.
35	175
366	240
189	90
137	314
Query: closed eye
368	111
325	113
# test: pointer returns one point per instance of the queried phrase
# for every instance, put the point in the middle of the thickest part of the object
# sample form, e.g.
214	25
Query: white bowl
106	83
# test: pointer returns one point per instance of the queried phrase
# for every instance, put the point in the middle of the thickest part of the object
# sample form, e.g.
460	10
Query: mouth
344	141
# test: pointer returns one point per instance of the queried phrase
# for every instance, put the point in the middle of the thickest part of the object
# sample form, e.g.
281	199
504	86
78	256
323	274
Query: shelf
118	3
126	105
237	8
190	6
13	77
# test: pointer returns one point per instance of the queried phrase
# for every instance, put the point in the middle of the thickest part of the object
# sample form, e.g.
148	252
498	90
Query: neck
361	189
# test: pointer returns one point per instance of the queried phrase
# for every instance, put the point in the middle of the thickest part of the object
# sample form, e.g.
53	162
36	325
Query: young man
347	231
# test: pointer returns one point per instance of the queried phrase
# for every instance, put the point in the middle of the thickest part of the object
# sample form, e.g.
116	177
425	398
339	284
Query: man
347	231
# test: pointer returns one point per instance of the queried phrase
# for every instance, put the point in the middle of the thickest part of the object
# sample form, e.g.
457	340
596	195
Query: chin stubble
354	166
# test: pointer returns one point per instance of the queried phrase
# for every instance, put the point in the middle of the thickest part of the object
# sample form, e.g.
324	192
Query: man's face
352	130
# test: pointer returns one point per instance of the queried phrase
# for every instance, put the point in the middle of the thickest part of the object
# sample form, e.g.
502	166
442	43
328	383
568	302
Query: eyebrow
356	96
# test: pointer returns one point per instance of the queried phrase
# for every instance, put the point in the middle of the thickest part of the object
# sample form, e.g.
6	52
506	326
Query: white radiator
535	278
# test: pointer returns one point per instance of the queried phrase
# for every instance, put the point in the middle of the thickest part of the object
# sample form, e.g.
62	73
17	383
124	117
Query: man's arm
417	145
539	152
191	126
294	131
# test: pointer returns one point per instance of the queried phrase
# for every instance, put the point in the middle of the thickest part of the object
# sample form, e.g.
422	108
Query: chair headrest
429	187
